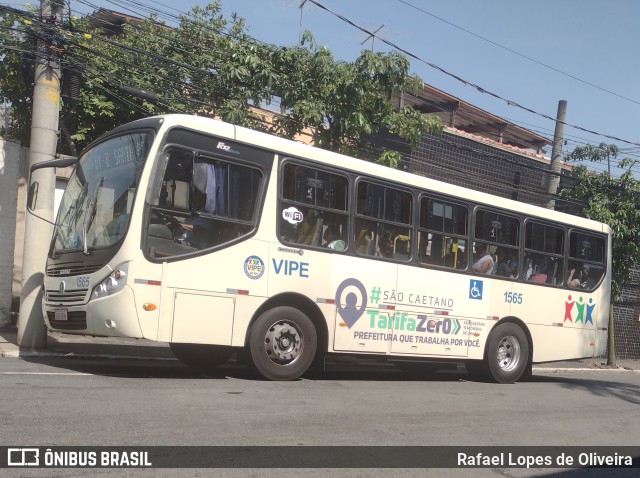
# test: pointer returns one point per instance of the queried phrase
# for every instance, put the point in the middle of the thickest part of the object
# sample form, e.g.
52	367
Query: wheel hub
283	343
508	356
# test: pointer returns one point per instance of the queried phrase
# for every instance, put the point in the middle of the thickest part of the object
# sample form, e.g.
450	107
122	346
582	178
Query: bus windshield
96	205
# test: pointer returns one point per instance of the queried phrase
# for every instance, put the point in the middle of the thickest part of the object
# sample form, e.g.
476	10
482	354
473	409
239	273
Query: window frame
428	196
359	217
152	199
598	264
284	203
561	257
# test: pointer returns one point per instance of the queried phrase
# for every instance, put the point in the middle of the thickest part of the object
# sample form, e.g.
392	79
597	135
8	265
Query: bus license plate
61	314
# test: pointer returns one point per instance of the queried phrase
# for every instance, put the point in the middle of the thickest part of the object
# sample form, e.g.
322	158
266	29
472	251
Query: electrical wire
462	80
519	54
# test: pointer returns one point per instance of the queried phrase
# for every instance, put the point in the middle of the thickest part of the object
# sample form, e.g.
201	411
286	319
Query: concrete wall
13	166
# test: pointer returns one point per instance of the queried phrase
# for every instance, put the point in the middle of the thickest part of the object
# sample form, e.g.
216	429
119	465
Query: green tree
345	103
209	65
614	201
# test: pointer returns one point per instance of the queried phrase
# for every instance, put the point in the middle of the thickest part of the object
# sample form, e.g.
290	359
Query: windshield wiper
93	208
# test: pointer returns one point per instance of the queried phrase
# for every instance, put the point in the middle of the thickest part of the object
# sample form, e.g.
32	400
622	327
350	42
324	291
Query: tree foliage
614	201
210	65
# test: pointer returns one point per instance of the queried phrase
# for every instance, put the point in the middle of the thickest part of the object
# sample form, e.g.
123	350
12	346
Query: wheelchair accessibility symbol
475	289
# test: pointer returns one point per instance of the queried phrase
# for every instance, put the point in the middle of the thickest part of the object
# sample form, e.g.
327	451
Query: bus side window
202	203
443	227
586	260
544	253
310	200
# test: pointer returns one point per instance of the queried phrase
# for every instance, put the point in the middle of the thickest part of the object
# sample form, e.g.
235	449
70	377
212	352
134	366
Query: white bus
218	239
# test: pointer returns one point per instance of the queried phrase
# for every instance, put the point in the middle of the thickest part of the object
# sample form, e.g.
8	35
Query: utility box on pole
32	332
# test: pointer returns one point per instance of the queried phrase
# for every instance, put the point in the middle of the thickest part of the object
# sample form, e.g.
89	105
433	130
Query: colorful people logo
590	307
580	307
568	306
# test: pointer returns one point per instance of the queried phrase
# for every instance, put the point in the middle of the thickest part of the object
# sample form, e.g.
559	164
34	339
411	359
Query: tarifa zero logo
350	312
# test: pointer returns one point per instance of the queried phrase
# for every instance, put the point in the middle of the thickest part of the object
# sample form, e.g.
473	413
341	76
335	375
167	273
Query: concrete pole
32	332
555	166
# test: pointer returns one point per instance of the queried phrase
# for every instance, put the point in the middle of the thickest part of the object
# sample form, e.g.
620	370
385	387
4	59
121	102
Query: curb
586	369
34	353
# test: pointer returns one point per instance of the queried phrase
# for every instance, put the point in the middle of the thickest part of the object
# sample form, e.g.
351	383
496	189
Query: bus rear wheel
282	343
202	356
507	353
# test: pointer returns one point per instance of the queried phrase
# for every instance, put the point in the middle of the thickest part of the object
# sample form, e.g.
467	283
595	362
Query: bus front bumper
111	316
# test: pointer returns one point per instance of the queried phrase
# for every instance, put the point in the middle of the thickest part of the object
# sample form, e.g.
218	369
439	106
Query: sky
527	53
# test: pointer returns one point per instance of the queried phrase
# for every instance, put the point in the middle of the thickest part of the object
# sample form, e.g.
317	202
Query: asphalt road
57	401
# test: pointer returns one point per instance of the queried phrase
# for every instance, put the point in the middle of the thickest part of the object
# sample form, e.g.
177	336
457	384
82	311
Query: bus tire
202	356
282	343
507	353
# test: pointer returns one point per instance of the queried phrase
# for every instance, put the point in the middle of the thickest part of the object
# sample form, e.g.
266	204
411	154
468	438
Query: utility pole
555	166
32	332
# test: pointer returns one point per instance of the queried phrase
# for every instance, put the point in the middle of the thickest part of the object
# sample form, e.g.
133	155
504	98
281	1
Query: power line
519	54
462	80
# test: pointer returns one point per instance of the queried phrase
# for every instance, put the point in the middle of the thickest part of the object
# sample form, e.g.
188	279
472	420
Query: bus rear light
149	306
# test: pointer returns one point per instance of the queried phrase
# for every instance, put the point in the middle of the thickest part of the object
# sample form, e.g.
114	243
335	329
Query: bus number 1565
513	298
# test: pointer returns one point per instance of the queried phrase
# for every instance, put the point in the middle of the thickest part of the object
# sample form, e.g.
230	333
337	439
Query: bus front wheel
507	353
282	343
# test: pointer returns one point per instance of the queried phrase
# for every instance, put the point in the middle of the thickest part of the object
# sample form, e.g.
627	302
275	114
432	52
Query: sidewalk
60	345
80	346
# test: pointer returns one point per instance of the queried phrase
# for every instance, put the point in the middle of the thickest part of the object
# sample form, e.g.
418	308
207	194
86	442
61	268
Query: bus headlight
112	284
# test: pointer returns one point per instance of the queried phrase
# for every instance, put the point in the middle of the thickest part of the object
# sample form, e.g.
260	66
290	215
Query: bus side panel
429	304
365	295
205	318
562	322
200	293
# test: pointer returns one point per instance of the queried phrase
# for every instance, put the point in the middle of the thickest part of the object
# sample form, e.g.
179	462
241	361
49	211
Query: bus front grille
75	321
71	269
55	297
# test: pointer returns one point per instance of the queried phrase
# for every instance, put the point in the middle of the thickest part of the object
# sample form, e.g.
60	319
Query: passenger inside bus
333	238
581	279
507	263
483	261
384	245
